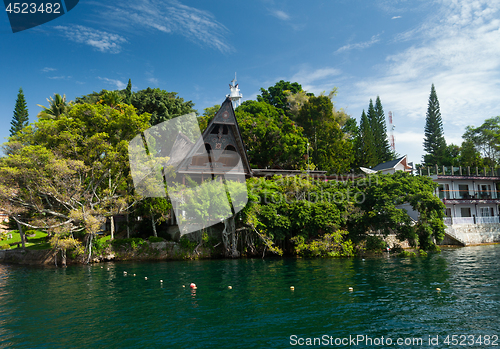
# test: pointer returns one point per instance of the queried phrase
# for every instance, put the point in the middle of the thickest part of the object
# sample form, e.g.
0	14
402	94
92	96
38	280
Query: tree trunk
128	227
63	257
229	238
90	249
21	233
153	223
112	227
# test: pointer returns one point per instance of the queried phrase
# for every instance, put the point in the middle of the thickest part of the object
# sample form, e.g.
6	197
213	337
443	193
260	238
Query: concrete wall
472	234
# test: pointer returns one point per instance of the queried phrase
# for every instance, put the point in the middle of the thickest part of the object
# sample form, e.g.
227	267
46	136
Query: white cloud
47	69
100	40
457	49
316	81
153	81
60	77
396	17
360	45
169	16
280	15
120	85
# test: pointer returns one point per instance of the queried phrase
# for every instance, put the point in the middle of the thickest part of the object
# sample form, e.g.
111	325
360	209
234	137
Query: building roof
391	164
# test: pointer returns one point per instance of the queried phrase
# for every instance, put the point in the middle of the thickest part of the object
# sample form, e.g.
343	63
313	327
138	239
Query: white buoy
145	278
161	281
134	274
292	288
351	289
438	289
230	287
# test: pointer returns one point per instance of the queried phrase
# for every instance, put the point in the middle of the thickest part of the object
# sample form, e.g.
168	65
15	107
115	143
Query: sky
394	49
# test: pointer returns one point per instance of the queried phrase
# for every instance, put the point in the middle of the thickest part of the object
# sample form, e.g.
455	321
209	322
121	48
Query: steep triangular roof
218	142
391	164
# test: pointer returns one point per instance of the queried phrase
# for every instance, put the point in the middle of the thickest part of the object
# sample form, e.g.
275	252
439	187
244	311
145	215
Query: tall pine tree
434	142
376	118
366	150
20	118
128	93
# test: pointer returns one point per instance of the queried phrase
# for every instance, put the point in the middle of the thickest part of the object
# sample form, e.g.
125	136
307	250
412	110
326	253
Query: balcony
471	220
459	171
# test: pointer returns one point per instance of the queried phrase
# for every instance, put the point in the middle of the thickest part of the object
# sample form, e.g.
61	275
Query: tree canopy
434	142
21	117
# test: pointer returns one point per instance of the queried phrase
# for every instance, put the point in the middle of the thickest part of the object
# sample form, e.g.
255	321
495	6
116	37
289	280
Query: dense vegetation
68	173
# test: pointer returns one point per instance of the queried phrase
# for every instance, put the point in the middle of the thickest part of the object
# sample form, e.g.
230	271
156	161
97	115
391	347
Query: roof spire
235	94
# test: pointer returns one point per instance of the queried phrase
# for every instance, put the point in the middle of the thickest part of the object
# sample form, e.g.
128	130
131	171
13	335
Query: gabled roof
391	164
180	149
224	116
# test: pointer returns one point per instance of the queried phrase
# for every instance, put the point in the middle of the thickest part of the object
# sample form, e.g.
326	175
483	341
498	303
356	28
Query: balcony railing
468	194
471	220
459	171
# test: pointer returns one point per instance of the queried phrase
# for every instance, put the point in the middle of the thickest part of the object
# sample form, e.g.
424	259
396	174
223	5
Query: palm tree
111	98
57	106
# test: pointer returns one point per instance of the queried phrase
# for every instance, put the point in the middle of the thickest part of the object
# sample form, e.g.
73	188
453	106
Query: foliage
128	93
57	107
434	142
133	243
365	144
375	243
486	140
277	95
271	138
378	212
5	247
422	253
70	171
332	152
187	244
469	156
330	245
162	105
208	115
407	254
20	118
155	239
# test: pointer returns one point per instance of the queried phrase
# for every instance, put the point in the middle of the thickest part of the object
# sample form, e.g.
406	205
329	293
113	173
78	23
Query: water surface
93	307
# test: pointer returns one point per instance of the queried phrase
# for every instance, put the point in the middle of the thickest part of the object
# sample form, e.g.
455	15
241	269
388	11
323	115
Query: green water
93	307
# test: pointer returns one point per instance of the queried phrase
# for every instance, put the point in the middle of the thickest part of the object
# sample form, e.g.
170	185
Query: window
486	212
465	212
463	191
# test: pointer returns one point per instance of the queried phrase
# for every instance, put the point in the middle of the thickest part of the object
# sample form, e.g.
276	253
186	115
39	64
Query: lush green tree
20	118
486	140
208	115
452	157
434	142
277	95
380	210
469	156
366	156
70	173
57	107
128	93
383	149
162	105
331	150
271	138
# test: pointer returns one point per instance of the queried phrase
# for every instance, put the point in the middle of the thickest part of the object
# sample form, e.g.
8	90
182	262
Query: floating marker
145	278
230	287
193	285
134	274
102	267
183	286
292	288
351	289
108	268
161	281
438	289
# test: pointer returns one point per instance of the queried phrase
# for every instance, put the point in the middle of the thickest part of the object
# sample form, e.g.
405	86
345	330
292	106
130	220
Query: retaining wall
471	234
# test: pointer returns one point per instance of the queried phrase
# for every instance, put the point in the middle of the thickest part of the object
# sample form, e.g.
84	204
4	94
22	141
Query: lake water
393	298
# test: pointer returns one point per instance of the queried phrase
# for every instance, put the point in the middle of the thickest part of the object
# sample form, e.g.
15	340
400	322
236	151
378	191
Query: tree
128	93
434	142
366	156
271	138
71	173
208	115
57	107
383	149
469	156
162	105
277	95
20	118
486	140
331	150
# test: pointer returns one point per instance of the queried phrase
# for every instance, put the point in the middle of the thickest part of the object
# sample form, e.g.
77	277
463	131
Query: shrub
422	253
155	239
375	243
404	254
187	244
5	247
124	243
330	245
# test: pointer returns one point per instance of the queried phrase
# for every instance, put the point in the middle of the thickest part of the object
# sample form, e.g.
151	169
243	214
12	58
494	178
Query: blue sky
391	48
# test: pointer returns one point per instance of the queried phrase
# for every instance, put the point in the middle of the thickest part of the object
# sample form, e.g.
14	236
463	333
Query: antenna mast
235	94
391	130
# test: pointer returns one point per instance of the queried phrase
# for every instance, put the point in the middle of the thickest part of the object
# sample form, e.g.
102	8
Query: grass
38	242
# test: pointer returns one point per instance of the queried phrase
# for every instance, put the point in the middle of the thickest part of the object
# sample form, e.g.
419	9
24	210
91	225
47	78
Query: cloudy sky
394	49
